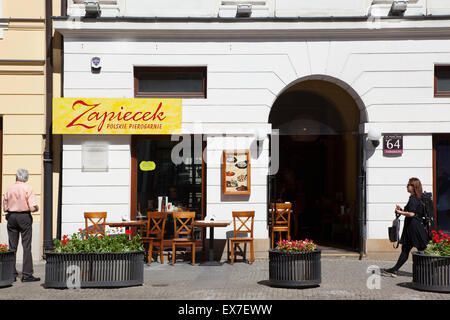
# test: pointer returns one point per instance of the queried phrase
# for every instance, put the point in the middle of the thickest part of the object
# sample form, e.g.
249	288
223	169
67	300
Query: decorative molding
147	28
17	62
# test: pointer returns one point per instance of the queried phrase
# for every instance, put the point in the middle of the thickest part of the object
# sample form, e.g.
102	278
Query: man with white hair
18	202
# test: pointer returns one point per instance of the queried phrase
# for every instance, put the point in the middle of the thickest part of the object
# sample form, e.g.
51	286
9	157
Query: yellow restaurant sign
116	116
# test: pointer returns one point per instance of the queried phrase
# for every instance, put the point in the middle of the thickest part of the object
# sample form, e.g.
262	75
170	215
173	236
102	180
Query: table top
126	223
215	223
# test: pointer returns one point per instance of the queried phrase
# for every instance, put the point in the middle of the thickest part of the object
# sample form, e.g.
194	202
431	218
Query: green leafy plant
439	245
78	243
3	247
296	246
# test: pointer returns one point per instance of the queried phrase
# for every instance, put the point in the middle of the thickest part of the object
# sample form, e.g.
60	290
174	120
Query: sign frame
237	163
393	144
130	116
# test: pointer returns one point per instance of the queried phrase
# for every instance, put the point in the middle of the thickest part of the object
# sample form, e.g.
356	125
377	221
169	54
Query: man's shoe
30	279
391	272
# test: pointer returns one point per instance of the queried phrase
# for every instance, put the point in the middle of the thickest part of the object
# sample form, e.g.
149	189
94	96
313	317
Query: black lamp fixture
243	10
92	9
260	136
398	7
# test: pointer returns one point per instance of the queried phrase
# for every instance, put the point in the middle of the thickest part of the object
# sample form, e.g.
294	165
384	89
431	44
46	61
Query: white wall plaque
94	157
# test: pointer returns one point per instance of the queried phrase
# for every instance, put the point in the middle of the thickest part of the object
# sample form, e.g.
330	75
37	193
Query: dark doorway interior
318	125
442	181
312	178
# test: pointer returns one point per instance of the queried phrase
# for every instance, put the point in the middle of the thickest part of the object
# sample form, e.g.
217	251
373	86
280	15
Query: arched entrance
320	161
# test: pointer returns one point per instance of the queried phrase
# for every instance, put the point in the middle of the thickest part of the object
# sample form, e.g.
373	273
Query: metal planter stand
431	273
295	269
93	270
6	268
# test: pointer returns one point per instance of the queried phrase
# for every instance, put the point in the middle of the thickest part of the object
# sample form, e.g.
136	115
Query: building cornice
283	29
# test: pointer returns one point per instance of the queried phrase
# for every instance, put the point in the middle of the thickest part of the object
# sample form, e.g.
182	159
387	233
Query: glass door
442	181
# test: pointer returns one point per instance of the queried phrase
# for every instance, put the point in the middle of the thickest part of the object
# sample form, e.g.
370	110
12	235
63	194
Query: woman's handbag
394	231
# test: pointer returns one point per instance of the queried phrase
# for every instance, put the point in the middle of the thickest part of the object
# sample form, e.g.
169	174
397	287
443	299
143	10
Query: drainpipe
362	196
59	214
48	158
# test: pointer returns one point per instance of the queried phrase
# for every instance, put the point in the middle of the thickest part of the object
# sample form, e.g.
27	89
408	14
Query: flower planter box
431	273
6	268
120	269
295	269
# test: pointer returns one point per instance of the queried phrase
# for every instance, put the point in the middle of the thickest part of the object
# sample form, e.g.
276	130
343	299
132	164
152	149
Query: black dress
414	233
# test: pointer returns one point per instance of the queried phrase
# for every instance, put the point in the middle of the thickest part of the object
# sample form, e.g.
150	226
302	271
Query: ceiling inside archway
315	107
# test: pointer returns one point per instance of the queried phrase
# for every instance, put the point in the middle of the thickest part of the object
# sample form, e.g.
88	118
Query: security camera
96	65
374	136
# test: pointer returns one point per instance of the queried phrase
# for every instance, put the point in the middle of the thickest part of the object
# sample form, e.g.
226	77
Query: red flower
80	230
127	231
433	232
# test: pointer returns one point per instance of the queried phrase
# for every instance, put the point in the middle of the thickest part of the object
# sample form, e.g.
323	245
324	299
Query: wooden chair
281	220
156	223
242	226
182	226
98	219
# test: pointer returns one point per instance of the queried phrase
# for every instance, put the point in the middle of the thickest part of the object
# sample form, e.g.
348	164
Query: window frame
438	94
2	25
200	243
139	71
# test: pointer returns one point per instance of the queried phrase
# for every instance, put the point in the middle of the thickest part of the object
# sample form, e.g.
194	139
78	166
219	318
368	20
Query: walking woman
414	233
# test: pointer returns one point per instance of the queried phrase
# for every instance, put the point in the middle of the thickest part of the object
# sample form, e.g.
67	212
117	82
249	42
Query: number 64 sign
393	144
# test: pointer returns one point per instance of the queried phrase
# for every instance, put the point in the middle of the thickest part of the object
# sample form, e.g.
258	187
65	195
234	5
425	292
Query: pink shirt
18	198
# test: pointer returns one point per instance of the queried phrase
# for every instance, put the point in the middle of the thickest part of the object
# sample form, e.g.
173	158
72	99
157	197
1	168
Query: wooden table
211	225
132	223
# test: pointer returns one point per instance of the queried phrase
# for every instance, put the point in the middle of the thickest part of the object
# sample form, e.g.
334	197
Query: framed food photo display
236	172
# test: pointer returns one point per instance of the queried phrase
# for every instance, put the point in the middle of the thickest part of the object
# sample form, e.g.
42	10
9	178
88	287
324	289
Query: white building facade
375	66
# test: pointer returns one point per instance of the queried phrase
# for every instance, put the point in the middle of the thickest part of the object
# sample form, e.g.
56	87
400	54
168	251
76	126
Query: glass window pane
158	176
172	82
443	79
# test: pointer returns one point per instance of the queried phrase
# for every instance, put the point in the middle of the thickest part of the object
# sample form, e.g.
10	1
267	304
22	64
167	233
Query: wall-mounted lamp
92	9
260	136
399	7
374	136
244	10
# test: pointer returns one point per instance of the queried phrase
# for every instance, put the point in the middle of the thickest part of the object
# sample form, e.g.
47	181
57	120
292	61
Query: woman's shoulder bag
394	231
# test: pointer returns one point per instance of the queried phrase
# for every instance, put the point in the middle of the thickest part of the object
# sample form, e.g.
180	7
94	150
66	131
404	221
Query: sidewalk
342	278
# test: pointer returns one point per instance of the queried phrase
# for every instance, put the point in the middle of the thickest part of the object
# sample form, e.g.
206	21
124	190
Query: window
2	24
442	81
170	82
155	175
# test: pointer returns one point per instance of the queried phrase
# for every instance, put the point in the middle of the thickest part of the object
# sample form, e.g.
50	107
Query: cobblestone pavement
341	279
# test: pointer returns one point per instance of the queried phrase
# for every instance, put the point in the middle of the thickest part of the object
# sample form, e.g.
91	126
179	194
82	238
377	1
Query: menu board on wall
236	172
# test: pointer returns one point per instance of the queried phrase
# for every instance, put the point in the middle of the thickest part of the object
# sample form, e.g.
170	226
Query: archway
320	160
